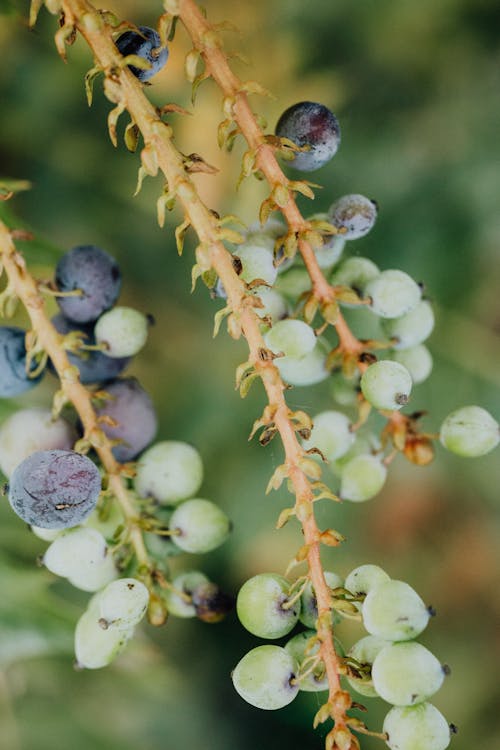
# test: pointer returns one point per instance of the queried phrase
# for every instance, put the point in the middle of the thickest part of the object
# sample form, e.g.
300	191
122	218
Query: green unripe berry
169	472
309	605
394	611
122	603
365	652
386	384
293	283
199	526
301	648
355	272
262	606
420	727
362	478
417	360
184	583
122	330
293	338
306	370
96	647
257	263
363	578
410	329
470	431
265	677
392	294
405	674
331	433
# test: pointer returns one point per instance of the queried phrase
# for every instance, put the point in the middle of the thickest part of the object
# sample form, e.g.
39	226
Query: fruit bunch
57	482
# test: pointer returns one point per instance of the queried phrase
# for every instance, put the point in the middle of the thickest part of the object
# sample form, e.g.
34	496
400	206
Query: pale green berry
106	520
293	338
294	283
309	605
394	611
123	603
199	526
355	214
82	556
48	535
386	384
470	431
363	578
364	443
301	648
96	647
392	294
257	263
331	433
362	478
407	673
355	272
262	606
169	472
306	370
265	677
417	360
420	727
344	390
28	431
184	583
364	652
275	305
410	329
122	330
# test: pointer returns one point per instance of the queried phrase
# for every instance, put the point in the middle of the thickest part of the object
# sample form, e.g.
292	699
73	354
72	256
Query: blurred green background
416	89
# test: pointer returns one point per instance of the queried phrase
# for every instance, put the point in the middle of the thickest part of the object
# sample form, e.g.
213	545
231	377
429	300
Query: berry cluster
65	495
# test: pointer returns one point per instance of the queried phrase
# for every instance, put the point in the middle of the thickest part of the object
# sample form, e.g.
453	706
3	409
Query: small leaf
149	159
34	11
191	63
253	87
141	174
330	312
284	517
180	232
131	136
331	538
112	122
280	195
303	511
277	479
234	327
301	186
65	35
90	76
310	468
322	715
218	318
136	61
247	383
310	308
302	553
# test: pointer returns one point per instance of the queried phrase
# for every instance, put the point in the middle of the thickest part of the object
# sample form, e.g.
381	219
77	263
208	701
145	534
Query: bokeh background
416	89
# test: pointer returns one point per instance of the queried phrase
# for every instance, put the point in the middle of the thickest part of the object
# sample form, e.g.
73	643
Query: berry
145	43
394	611
301	647
93	366
123	331
96	274
261	606
406	673
186	583
363	578
257	263
331	433
82	556
275	307
293	338
309	605
199	526
410	329
392	294
96	647
265	677
420	727
293	283
169	472
30	430
14	379
132	409
54	489
306	370
365	652
362	478
106	520
314	126
123	603
470	431
417	360
386	384
355	272
354	214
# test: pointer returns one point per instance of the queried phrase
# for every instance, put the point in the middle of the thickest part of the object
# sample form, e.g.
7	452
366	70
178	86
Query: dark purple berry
54	489
131	407
96	274
94	366
310	124
13	376
146	44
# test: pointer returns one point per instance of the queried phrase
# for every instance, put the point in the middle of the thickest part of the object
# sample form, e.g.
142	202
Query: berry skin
186	583
82	556
308	603
260	606
405	674
331	433
386	384
306	370
354	214
420	727
146	44
394	611
96	274
410	329
14	379
131	407
265	677
355	272
310	124
470	432
392	294
293	338
54	489
123	330
122	603
363	578
362	478
96	647
30	430
365	652
169	471
93	366
293	283
300	648
417	360
257	263
199	526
